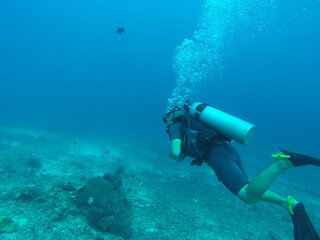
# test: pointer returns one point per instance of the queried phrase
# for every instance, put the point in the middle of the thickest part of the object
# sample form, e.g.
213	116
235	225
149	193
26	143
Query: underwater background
64	69
63	65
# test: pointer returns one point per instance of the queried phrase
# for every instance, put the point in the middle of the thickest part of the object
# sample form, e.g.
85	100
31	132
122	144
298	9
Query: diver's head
173	115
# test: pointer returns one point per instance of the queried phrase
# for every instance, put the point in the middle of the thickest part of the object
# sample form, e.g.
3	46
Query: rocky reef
105	206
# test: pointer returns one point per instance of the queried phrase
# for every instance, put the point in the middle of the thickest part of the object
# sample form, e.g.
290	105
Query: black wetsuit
207	145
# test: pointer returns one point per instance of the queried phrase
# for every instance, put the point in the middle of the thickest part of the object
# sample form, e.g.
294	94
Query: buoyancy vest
197	138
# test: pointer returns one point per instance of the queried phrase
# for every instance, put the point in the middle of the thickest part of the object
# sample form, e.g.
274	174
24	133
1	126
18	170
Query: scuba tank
226	124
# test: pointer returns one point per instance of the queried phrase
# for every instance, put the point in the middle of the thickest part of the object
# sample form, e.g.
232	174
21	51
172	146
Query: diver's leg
257	189
226	163
262	182
275	198
268	196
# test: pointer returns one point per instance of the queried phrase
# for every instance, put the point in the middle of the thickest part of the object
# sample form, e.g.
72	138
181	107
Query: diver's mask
173	115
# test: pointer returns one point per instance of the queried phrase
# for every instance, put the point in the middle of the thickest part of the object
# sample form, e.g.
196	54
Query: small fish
120	30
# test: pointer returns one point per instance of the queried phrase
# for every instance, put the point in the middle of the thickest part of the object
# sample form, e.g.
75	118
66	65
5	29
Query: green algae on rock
106	209
7	225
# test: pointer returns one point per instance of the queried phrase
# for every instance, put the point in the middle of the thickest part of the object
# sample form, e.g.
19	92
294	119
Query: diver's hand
178	158
175	152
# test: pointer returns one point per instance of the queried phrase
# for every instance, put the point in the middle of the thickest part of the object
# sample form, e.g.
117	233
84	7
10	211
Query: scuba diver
205	134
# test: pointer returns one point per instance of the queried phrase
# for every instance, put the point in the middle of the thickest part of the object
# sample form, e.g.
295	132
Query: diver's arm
175	152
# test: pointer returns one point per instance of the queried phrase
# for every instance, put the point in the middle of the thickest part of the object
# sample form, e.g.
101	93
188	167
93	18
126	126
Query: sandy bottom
169	200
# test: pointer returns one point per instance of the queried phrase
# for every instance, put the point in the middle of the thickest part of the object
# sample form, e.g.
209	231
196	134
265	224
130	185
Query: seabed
41	171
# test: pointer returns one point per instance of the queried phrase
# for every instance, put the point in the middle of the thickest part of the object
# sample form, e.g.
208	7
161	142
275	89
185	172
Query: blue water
62	66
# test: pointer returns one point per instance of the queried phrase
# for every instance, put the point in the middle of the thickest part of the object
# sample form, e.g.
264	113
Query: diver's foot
300	159
292	202
284	164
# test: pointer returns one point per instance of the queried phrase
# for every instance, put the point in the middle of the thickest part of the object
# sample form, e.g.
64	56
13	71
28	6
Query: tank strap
199	110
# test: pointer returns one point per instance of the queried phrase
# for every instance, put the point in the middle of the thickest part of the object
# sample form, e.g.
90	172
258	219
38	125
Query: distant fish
120	30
